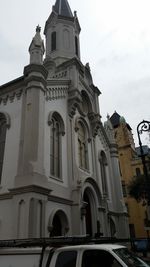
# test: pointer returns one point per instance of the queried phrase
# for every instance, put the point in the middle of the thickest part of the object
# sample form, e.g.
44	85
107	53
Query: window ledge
85	170
56	179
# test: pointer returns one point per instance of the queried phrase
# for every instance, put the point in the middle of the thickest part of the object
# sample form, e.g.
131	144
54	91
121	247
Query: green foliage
138	188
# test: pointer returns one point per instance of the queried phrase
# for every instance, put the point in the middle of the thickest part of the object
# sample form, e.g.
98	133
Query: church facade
59	172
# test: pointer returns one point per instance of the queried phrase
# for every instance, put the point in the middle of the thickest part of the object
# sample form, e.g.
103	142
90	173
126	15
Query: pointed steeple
62	8
62	30
36	48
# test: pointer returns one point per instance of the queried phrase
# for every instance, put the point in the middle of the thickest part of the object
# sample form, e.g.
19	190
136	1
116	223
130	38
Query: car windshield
130	259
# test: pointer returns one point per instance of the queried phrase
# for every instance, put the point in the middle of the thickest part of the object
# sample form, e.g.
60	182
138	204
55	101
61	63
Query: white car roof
108	247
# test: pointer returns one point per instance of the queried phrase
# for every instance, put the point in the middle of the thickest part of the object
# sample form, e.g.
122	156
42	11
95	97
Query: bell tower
62	31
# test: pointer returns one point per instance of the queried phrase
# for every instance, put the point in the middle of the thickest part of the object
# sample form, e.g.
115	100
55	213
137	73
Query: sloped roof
62	8
115	120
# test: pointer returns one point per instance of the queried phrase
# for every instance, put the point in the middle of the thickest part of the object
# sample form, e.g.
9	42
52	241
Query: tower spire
62	8
62	30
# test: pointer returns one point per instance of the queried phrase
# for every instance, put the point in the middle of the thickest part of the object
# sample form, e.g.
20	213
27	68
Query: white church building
59	171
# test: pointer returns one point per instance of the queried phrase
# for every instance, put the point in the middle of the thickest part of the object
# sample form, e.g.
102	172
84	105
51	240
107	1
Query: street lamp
144	126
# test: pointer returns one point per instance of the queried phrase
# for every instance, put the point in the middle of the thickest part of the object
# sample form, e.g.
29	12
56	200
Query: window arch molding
63	218
91	183
55	114
83	134
85	125
57	130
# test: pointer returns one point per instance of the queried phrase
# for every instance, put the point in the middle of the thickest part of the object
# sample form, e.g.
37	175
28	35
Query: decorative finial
87	65
108	116
75	14
38	29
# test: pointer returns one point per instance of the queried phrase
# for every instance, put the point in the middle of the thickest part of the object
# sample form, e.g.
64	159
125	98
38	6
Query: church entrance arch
58	223
91	201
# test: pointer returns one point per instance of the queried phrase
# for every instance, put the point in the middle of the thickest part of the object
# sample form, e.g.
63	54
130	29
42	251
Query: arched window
55	148
3	127
58	223
53	41
76	46
103	166
57	130
82	146
138	171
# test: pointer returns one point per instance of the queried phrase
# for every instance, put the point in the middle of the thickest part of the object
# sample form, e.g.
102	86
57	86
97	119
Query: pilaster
31	151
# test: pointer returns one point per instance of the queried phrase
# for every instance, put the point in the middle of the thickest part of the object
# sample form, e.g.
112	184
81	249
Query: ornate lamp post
144	126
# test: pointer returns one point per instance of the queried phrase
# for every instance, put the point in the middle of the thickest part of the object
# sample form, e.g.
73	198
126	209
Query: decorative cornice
60	200
72	62
60	75
35	81
74	101
95	89
35	68
11	96
58	82
30	189
117	214
57	92
95	120
5	196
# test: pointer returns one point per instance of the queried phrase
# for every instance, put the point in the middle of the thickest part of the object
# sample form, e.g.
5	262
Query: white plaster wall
6	216
12	143
60	106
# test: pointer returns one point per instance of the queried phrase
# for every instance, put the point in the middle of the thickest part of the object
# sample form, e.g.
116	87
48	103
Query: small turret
36	48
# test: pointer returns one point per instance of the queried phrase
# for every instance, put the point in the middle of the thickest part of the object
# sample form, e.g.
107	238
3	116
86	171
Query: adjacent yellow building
130	166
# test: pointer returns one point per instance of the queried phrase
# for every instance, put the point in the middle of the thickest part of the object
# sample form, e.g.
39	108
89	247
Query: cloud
115	40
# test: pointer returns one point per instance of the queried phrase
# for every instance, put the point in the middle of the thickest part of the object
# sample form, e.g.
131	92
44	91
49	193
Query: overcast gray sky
115	40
